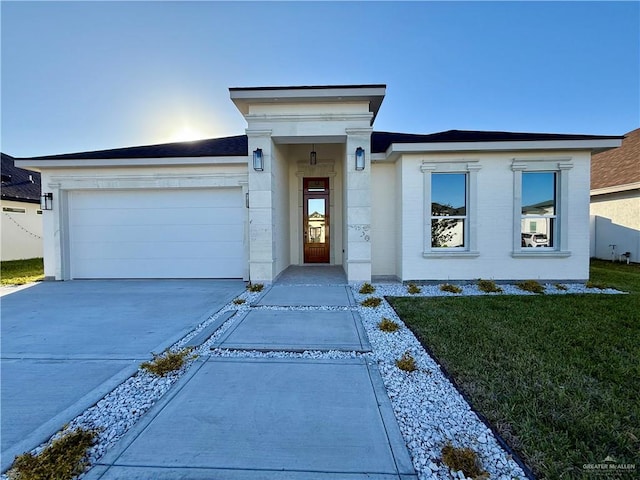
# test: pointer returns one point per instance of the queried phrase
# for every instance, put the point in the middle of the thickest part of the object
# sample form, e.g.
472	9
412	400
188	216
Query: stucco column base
358	271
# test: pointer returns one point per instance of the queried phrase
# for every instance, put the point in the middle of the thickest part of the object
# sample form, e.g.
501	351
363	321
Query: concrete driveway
66	344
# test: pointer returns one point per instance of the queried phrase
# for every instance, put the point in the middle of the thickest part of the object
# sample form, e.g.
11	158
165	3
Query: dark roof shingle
19	184
213	147
618	166
380	141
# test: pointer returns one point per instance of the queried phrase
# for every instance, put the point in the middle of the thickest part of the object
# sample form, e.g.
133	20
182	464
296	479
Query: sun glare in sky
186	133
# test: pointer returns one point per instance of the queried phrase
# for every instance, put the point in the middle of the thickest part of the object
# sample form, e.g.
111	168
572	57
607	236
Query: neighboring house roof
19	184
380	142
618	166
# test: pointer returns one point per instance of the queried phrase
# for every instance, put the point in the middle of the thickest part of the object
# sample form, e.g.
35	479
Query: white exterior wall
280	195
496	229
383	219
60	181
21	232
616	221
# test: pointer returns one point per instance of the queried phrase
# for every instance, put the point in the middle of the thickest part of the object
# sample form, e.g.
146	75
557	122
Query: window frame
544	217
561	167
470	169
464	218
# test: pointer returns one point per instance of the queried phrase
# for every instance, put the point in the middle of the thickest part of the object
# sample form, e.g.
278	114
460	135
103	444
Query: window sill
537	253
450	254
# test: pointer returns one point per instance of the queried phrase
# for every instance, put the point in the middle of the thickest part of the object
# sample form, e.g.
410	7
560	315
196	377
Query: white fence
610	240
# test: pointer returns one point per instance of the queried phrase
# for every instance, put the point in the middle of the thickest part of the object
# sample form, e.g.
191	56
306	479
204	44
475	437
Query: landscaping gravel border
429	409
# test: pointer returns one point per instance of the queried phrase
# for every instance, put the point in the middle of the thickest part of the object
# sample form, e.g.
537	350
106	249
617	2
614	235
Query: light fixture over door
313	158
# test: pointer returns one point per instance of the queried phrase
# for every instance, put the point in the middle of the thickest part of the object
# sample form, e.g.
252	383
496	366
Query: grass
255	287
371	302
168	362
447	287
489	286
464	460
406	363
532	286
557	376
388	325
367	288
63	459
19	272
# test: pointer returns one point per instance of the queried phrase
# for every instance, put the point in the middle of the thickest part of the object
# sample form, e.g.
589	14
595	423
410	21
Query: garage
156	233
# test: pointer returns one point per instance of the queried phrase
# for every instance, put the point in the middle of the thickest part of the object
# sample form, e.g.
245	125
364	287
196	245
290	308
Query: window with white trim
540	222
539	209
450	193
448	210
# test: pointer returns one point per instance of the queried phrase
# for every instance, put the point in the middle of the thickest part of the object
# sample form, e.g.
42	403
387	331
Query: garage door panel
206	198
162	268
164	233
175	233
142	216
136	250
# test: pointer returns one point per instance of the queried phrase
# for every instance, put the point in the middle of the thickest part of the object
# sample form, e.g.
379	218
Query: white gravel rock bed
309	354
429	409
399	290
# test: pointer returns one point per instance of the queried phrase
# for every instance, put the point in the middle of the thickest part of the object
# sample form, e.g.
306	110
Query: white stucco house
615	201
21	224
311	181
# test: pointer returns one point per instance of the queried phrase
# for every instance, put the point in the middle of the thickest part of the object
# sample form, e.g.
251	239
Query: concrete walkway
258	417
65	345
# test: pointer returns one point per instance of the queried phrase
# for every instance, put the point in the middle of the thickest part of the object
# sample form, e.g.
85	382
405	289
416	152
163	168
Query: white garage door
168	233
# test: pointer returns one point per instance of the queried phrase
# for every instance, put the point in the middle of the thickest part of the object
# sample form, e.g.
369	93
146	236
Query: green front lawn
19	272
558	376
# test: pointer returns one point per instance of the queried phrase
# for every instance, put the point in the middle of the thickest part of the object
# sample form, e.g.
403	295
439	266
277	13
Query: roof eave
595	145
615	189
374	94
130	162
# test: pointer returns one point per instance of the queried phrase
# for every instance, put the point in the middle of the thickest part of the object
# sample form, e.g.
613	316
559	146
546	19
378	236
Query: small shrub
464	460
489	286
559	286
63	459
388	325
166	363
367	288
406	363
447	287
599	286
371	302
413	289
255	287
531	286
239	301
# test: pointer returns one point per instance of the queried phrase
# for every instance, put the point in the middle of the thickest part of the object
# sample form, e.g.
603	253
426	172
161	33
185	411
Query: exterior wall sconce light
46	201
313	158
359	158
258	160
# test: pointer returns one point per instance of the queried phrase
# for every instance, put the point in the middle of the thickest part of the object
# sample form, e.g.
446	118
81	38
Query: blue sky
80	76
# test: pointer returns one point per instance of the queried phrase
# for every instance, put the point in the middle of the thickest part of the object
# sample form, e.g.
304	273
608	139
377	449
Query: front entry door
315	226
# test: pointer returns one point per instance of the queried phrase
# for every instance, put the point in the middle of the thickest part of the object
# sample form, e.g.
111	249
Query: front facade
311	182
21	224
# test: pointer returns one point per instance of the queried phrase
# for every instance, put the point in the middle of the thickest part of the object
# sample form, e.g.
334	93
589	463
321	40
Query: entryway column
357	201
261	234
